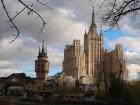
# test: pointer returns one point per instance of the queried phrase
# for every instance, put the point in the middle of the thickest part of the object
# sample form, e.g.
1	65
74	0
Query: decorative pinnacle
43	48
46	50
101	32
39	51
42	44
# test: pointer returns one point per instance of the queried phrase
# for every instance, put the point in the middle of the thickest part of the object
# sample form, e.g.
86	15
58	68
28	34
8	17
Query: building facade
74	60
94	61
114	62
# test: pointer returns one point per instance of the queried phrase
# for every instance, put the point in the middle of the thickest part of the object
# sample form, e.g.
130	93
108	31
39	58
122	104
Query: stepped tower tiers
74	60
93	49
42	66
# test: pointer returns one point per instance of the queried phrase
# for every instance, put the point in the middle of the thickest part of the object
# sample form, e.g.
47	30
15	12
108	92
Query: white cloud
55	57
129	42
133	69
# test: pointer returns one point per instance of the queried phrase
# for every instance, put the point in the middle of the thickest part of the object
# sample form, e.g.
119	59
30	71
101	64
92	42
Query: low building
17	84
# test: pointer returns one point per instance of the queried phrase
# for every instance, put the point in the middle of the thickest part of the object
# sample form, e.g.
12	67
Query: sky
66	22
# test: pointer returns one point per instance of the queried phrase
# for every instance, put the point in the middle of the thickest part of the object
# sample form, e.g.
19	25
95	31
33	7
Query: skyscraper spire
93	17
93	27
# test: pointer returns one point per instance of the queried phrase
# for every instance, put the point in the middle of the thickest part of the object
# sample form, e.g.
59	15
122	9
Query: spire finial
46	50
43	48
42	43
93	27
93	16
85	31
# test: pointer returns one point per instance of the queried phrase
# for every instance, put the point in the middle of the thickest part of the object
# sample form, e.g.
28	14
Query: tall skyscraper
93	48
94	61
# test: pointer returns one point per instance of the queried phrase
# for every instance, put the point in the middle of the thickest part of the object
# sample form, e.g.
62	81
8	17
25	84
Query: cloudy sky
66	22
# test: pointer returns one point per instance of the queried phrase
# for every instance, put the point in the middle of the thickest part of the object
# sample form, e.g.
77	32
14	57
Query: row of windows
96	39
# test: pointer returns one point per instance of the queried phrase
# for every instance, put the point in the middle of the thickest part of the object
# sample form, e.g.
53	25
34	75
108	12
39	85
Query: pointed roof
85	32
93	27
43	46
93	17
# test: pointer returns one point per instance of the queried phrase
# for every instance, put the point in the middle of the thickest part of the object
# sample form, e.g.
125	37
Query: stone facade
93	48
41	68
74	60
114	62
95	60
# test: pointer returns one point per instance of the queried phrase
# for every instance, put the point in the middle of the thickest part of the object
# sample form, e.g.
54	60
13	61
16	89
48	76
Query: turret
101	33
85	33
42	64
118	47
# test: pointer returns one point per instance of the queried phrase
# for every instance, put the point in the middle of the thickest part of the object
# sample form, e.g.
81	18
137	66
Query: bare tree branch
115	10
45	4
30	11
11	20
33	11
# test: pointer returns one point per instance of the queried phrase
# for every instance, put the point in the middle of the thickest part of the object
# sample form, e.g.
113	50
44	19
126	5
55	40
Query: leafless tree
112	11
30	11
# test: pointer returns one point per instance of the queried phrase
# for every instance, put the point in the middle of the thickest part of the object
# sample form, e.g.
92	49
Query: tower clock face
42	66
